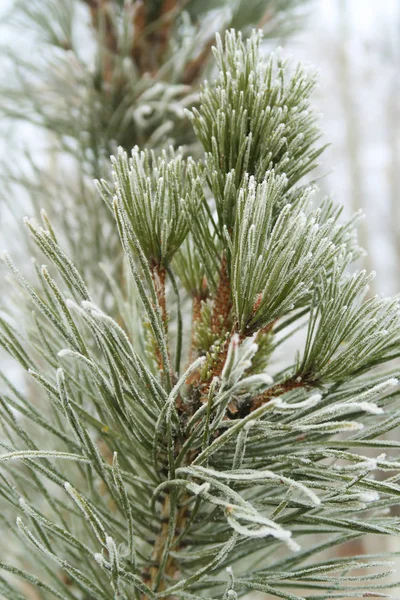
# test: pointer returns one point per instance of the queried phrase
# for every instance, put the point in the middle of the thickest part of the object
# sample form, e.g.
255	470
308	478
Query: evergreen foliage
173	459
100	74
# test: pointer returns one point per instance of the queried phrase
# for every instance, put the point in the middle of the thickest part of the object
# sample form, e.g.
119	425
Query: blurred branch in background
95	74
393	135
357	48
360	116
352	130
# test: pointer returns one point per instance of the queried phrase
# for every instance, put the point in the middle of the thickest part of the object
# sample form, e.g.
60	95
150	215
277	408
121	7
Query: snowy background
355	45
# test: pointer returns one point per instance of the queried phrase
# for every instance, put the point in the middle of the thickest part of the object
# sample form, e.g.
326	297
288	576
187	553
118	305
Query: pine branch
137	478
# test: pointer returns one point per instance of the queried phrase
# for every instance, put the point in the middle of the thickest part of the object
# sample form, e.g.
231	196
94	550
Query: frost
200	489
264	531
377	390
367	464
293	545
175	428
70	303
308	403
99	558
373	409
368	497
64	352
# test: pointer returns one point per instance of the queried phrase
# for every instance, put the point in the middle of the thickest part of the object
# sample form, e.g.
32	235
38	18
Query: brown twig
221	315
139	24
158	273
152	34
195	66
221	324
162	34
102	22
171	571
196	315
160	541
276	390
198	298
266	18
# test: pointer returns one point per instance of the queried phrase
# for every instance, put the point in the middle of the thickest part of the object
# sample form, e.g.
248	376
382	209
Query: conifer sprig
146	476
97	74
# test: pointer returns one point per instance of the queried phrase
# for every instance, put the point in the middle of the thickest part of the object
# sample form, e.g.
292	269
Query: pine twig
102	22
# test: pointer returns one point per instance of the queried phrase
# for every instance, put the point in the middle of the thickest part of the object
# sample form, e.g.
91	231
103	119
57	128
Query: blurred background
355	46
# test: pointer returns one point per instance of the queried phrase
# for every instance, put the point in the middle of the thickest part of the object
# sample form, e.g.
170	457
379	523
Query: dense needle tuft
219	429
